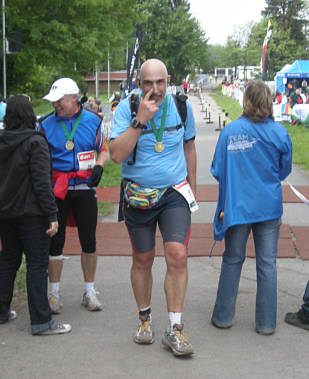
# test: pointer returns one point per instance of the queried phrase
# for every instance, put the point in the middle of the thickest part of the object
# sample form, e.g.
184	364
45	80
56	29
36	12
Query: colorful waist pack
141	197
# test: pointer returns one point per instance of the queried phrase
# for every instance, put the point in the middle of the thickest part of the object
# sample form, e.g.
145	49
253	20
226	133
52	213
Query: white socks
89	286
54	287
174	318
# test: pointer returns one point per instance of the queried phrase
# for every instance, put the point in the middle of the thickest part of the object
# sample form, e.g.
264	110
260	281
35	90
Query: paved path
100	344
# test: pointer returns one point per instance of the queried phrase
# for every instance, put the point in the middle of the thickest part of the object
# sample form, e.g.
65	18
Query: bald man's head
154	77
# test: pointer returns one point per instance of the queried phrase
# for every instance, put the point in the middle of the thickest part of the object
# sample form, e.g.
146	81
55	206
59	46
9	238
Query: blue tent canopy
297	70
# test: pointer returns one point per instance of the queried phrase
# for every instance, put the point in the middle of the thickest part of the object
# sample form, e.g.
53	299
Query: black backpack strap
180	101
134	104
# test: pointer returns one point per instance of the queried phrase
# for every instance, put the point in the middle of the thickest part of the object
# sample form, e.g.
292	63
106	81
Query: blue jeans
305	306
26	234
265	235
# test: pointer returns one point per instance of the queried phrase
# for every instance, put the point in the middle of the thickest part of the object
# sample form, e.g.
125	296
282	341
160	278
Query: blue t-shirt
152	169
2	110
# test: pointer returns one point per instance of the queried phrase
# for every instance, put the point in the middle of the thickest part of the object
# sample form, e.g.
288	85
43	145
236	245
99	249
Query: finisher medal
69	145
159	147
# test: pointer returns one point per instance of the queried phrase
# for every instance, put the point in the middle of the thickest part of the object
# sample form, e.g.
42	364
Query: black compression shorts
83	204
172	215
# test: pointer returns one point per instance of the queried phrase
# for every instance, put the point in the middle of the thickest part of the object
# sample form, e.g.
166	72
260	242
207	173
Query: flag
133	57
265	44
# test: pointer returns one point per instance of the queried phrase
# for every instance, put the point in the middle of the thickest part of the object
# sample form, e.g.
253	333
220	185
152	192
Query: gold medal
159	147
69	145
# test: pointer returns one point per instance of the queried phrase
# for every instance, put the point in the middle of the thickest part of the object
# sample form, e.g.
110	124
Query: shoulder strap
180	101
134	104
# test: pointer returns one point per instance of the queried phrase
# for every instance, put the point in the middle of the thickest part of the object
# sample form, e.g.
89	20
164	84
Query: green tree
287	13
63	38
238	51
171	34
282	49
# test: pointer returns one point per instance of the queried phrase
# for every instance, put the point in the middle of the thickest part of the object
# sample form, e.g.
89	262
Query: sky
218	17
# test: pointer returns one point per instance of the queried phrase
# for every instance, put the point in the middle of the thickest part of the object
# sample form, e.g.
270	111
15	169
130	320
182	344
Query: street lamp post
4	49
108	73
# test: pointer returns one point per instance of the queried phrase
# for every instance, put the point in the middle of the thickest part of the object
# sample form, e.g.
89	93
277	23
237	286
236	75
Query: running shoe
144	334
12	316
55	302
91	302
177	341
59	329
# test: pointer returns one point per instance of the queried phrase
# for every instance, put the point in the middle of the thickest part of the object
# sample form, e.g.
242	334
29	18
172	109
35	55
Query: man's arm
190	155
102	158
121	147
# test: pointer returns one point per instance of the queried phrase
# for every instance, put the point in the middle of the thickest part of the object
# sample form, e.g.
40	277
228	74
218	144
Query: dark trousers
25	234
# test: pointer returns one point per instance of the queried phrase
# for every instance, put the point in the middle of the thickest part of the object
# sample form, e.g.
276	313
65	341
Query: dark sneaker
12	316
144	334
177	341
59	329
298	319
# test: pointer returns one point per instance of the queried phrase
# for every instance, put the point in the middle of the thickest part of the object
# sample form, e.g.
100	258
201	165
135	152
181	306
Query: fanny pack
141	197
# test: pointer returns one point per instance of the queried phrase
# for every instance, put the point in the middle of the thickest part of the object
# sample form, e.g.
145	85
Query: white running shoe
91	301
55	302
59	329
177	341
144	334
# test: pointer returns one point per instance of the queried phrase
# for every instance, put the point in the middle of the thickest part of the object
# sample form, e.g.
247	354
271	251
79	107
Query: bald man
158	159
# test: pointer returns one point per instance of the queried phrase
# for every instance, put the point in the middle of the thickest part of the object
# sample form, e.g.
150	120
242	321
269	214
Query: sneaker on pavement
144	334
177	341
298	319
59	329
12	316
91	302
55	302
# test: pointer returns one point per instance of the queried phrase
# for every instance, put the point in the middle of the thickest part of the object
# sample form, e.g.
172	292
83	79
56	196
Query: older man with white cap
79	153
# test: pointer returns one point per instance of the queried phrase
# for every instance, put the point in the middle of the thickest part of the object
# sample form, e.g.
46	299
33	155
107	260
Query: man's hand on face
147	108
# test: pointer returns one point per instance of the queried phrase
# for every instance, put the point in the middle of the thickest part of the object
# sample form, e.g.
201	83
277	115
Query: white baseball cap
61	87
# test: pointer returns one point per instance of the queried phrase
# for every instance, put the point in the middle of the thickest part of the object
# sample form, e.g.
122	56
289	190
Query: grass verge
20	280
227	104
299	134
105	208
111	176
300	139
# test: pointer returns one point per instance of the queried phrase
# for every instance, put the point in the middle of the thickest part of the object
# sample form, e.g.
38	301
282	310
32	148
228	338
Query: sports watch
136	124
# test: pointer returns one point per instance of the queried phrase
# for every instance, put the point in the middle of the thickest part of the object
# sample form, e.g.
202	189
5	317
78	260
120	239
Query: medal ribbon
70	136
159	132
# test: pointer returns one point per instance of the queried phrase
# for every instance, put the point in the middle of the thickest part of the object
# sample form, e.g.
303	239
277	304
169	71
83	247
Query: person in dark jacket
28	214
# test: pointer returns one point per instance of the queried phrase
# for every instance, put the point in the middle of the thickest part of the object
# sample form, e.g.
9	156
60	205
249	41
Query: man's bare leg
89	266
176	278
141	280
54	273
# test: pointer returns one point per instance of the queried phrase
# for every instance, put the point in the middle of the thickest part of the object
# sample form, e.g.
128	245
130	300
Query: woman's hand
53	228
